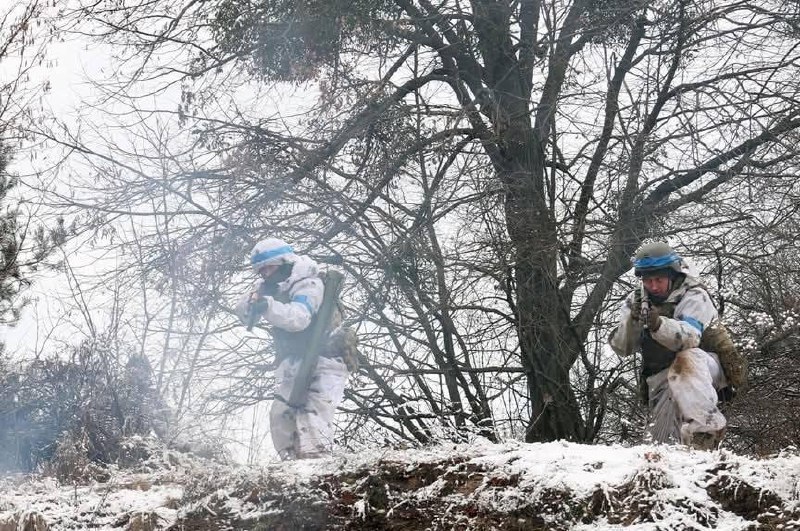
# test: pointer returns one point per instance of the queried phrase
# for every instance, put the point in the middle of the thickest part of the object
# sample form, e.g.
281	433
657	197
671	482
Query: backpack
717	339
342	339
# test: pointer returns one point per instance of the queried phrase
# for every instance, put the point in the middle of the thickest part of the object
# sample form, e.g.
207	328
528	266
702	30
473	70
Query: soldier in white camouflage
666	319
288	298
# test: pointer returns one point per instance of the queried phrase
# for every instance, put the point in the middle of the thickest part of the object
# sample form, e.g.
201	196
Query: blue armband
303	299
694	322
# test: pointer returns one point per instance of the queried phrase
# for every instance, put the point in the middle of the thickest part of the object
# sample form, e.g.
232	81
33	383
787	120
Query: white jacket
305	291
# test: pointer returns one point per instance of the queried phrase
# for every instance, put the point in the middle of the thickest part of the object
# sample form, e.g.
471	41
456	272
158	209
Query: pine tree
11	279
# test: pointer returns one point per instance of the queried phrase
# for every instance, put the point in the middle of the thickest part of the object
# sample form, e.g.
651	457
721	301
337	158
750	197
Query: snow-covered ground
477	486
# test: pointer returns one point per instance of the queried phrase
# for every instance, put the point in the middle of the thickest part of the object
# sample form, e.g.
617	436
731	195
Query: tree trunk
548	351
547	347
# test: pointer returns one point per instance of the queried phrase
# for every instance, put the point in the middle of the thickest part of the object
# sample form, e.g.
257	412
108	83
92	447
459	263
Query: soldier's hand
259	305
653	319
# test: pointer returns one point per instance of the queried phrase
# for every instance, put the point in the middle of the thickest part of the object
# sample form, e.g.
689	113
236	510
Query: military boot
707	440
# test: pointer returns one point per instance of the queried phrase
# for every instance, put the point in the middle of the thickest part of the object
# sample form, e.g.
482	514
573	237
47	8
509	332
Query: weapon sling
302	381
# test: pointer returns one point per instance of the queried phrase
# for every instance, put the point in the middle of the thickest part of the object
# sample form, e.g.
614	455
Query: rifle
302	380
644	316
633	335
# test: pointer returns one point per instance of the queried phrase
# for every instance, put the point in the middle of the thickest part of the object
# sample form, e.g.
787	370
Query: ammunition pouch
343	343
655	356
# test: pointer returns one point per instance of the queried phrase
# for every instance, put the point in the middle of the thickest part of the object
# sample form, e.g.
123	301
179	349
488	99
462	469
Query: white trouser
683	397
307	431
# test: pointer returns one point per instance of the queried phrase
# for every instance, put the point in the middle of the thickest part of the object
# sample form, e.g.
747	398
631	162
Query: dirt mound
475	492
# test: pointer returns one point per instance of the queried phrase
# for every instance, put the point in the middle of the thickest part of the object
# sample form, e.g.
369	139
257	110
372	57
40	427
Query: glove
258	307
653	319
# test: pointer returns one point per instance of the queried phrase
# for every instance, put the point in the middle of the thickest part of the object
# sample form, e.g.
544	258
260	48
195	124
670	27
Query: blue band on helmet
272	253
303	299
694	322
657	262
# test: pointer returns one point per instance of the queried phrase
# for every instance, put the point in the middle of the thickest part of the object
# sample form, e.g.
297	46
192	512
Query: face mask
270	285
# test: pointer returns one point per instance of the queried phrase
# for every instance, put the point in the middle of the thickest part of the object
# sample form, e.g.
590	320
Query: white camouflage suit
682	397
307	431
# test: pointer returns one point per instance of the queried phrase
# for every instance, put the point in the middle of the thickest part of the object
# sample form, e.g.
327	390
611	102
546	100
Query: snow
682	474
99	505
672	482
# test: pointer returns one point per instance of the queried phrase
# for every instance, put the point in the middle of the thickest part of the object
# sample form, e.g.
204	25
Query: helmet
655	259
271	251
